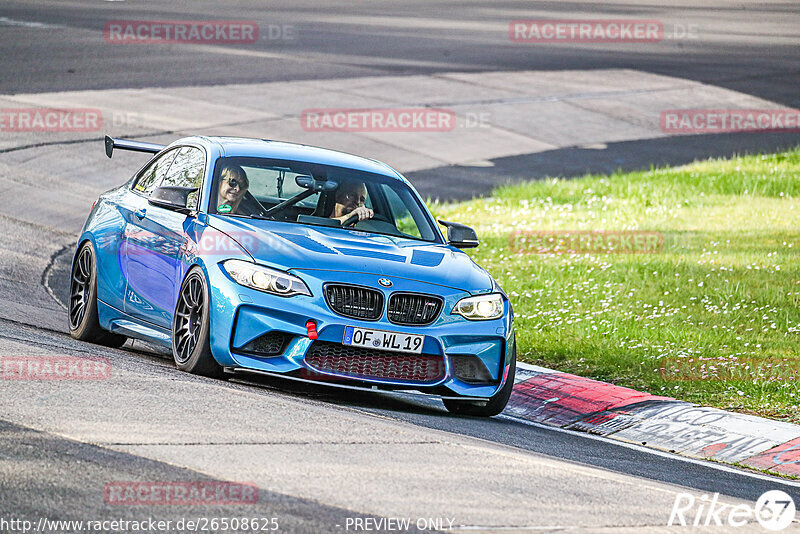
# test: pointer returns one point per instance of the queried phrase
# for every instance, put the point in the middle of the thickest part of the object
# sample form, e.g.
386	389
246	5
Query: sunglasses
233	182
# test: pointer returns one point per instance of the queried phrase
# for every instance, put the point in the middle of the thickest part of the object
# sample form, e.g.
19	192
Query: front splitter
374	389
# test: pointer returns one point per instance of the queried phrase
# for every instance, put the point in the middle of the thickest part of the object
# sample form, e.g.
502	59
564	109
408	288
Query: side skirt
118	322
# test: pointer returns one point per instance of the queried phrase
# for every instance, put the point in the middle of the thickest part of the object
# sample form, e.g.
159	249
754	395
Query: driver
233	185
349	201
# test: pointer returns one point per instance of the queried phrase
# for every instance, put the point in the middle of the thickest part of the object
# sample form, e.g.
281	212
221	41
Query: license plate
382	339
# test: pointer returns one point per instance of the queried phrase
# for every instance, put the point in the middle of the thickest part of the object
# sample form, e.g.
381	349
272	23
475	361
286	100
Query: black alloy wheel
191	345
84	324
80	288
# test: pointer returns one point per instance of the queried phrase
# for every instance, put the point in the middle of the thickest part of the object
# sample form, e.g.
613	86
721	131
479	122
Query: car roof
265	148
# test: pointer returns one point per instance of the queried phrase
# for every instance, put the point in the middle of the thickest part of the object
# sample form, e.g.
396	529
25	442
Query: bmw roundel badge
385	282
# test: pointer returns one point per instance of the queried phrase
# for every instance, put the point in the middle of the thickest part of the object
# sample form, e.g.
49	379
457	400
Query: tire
82	310
191	343
493	406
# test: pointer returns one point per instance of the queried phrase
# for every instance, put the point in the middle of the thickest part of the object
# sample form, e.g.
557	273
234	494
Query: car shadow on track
373	400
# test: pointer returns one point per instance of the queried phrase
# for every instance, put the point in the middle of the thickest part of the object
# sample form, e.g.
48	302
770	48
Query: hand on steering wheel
358	214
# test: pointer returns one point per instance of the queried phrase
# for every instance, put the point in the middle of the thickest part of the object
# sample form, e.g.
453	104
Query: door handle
141	213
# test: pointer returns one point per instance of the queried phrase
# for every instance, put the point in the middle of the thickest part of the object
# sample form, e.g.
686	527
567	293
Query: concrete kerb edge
571	402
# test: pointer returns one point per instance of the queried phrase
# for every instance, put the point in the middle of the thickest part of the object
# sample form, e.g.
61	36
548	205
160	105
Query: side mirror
173	198
460	235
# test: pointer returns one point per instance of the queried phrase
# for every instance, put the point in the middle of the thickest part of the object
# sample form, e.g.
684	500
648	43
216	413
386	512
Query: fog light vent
471	369
270	344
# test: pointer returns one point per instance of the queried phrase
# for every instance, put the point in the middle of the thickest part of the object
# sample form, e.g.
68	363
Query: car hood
290	246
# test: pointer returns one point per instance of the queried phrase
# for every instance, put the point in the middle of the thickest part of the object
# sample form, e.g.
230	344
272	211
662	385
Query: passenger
233	185
350	198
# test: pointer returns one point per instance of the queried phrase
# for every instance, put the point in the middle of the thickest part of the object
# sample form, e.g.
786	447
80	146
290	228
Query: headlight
480	308
265	279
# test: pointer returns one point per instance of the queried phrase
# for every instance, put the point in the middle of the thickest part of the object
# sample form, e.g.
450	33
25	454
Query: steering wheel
250	202
350	220
354	219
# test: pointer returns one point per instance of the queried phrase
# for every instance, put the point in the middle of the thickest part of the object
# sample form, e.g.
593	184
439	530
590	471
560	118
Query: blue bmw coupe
256	256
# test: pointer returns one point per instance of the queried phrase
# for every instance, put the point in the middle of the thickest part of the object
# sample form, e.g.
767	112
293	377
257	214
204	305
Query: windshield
318	195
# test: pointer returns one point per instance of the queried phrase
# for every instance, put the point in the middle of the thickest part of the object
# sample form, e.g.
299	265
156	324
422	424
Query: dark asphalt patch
56	276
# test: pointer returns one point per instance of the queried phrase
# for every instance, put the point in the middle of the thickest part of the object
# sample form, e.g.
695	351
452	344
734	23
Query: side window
154	173
403	219
187	171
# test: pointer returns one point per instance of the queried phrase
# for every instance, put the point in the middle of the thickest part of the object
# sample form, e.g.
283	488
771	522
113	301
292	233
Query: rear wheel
191	344
83	321
493	406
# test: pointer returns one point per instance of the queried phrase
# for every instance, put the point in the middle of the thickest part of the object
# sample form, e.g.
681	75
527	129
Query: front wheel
191	344
493	406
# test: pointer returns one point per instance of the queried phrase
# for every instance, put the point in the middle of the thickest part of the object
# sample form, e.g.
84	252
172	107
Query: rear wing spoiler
136	146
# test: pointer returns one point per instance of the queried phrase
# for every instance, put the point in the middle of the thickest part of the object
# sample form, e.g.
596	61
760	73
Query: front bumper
241	318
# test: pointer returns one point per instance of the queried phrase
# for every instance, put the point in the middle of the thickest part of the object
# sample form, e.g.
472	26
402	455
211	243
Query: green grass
719	301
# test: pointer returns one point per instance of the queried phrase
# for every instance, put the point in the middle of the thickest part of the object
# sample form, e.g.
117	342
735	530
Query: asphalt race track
323	459
746	47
